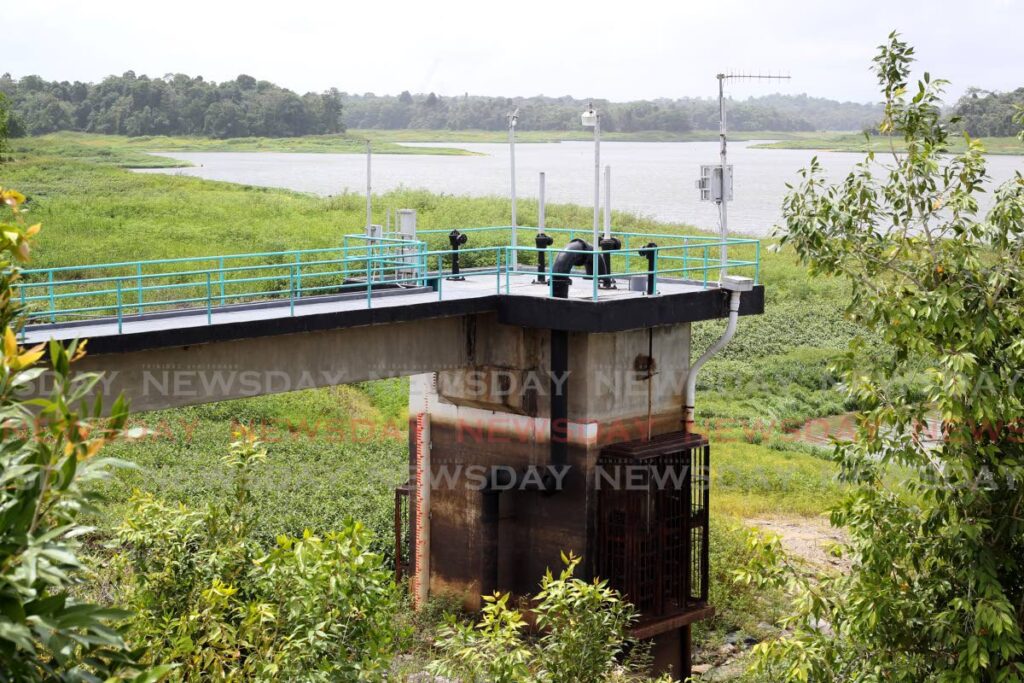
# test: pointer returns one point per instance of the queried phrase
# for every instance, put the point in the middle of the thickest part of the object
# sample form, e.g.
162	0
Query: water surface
655	179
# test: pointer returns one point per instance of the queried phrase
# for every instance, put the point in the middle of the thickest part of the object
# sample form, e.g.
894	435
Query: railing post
654	269
298	274
291	291
757	261
369	282
120	316
596	258
440	279
625	245
209	299
21	294
138	284
344	258
705	267
686	259
220	267
497	271
53	300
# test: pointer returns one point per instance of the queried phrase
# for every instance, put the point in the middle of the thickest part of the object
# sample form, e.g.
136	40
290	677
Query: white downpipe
691	376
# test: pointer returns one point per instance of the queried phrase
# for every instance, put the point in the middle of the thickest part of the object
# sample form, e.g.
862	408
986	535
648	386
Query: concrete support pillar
490	450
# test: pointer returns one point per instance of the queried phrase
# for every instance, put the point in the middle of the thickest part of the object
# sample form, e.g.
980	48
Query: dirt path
806	538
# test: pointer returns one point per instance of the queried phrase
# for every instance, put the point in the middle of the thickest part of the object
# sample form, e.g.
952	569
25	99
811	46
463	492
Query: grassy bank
340	452
856	142
135	152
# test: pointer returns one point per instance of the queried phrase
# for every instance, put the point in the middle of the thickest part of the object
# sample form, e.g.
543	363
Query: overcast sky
631	49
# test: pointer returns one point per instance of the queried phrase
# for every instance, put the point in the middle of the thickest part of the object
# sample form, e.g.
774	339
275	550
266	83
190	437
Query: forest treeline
183	105
990	114
173	105
772	112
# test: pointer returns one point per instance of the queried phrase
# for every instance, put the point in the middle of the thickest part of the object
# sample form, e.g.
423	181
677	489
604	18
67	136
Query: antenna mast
726	177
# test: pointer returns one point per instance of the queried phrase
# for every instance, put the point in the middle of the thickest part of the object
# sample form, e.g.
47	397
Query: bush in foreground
211	600
584	632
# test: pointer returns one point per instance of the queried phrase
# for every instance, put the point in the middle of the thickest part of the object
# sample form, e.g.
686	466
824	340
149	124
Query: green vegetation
859	142
984	113
209	598
126	152
178	105
182	105
770	112
584	628
49	464
934	590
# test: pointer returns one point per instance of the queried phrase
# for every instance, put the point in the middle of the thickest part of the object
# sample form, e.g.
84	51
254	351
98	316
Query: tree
936	530
48	457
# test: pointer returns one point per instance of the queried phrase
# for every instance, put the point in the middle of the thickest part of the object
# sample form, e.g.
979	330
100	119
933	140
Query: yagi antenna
723	194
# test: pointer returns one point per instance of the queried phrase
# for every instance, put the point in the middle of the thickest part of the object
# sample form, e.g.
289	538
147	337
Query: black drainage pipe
648	252
490	525
558	428
456	239
542	242
608	245
573	255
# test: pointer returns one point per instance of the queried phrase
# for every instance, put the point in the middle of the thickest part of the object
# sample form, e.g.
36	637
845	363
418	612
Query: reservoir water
655	179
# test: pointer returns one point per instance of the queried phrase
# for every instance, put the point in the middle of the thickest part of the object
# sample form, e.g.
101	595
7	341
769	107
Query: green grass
133	152
856	142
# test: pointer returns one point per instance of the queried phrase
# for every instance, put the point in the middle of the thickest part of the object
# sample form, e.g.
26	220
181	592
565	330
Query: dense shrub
48	455
584	627
210	599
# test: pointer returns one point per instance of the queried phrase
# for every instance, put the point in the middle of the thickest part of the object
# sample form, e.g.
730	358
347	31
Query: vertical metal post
608	202
298	273
757	261
209	300
138	285
220	266
369	282
541	218
53	299
705	267
512	119
597	184
722	208
120	316
654	270
344	258
369	201
291	291
686	261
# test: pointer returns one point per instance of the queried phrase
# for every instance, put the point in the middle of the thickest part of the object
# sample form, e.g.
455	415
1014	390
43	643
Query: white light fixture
589	117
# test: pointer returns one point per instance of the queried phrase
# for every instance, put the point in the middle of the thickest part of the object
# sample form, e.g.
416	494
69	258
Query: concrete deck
524	300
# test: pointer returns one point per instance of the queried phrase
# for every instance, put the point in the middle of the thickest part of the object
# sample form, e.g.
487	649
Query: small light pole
592	119
513	119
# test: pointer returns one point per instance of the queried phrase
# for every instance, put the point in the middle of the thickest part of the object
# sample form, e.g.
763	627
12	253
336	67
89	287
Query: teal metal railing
361	265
